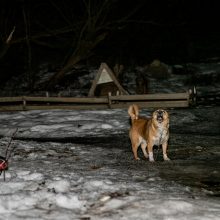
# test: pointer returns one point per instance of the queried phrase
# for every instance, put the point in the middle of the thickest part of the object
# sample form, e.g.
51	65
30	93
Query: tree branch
10	36
7	43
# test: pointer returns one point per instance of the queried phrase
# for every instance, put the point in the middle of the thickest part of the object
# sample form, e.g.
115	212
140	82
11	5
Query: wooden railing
120	101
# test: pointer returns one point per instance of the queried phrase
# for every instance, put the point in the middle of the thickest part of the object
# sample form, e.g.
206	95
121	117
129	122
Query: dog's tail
133	111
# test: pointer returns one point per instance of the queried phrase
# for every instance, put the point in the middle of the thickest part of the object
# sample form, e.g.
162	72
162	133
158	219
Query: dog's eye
161	111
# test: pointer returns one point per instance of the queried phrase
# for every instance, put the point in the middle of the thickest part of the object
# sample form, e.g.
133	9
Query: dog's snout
160	115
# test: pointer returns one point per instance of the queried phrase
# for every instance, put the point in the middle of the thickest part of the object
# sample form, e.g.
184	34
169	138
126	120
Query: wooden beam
51	107
119	101
165	104
11	99
171	96
66	99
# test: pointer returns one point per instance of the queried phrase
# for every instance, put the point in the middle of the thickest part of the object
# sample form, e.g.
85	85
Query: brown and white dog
148	132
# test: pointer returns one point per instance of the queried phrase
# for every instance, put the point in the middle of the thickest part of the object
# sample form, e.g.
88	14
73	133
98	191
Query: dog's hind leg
135	144
134	149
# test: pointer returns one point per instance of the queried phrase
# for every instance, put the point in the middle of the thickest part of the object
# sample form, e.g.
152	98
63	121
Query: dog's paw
166	158
151	157
146	156
137	158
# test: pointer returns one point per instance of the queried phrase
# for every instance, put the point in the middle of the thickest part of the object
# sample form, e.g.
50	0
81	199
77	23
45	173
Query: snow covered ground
79	165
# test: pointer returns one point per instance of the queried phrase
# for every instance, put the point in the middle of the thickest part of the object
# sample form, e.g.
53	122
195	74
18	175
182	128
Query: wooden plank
66	107
51	107
11	99
164	104
11	108
171	96
67	99
167	104
120	101
155	104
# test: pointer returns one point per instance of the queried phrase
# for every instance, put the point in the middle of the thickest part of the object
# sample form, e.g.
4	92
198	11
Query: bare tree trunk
82	52
93	31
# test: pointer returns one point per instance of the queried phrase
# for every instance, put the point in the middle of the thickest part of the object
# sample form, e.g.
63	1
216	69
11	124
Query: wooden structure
111	101
119	98
105	82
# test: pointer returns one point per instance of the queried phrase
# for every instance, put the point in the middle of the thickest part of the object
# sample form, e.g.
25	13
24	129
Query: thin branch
79	41
6	44
10	36
102	9
7	156
45	44
41	35
60	12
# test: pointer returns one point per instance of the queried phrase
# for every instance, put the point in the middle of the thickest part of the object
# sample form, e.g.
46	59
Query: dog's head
161	116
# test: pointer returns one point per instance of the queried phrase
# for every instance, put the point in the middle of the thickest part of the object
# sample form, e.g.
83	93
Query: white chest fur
161	136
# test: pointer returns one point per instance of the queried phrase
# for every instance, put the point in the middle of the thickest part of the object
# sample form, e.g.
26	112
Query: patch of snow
70	202
60	186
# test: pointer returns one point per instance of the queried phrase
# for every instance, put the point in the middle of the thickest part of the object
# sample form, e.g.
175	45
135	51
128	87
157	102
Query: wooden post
24	103
47	95
109	99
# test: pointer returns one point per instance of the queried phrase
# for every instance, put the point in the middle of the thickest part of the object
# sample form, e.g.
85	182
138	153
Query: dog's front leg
150	151
164	147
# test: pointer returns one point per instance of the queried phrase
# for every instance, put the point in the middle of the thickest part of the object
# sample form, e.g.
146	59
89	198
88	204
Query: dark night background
67	33
71	158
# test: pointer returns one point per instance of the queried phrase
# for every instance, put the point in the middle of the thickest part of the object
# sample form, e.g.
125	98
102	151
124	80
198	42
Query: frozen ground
79	165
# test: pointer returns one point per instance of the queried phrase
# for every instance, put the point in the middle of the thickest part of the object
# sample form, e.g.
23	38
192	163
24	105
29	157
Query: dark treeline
66	33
